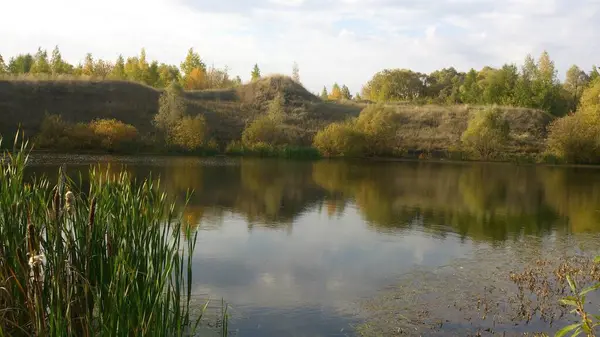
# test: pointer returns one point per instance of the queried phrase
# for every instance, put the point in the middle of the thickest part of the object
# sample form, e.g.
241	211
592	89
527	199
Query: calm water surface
294	246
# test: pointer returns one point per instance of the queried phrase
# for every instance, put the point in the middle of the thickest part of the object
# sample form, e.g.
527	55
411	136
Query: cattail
31	236
56	204
69	201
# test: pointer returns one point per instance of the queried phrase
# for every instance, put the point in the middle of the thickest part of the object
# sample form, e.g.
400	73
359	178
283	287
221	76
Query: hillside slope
227	111
25	102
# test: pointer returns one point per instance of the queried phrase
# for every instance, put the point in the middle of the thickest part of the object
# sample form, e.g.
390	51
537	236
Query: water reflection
477	201
304	240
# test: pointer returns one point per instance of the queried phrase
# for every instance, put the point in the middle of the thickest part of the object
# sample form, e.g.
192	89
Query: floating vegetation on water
513	290
105	261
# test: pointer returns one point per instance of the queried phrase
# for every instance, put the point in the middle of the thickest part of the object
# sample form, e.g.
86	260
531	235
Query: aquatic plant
105	261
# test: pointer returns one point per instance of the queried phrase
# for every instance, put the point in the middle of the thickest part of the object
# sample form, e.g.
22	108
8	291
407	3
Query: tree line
534	84
191	74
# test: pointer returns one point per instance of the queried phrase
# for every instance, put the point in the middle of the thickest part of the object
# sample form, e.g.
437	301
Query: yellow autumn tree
113	134
336	92
195	80
189	132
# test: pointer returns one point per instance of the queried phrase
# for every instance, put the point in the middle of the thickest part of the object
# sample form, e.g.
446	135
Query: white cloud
332	40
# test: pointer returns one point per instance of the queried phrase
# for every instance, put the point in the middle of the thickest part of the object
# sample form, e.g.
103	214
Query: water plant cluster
108	259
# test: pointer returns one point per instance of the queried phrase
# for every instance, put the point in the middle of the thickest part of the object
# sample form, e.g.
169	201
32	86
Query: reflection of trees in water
478	201
474	200
574	194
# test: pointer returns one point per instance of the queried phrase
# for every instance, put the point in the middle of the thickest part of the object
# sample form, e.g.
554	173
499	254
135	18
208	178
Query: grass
107	260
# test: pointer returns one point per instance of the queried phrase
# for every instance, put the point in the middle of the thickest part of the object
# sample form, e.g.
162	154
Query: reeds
107	261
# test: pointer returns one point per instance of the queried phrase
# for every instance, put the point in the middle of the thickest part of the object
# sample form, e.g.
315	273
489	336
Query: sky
344	41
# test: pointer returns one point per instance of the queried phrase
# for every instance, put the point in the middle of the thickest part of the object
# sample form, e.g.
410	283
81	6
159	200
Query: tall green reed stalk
108	261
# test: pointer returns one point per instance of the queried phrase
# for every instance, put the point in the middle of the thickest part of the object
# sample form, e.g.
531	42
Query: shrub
171	108
574	138
189	132
113	134
378	127
58	134
486	133
262	130
339	139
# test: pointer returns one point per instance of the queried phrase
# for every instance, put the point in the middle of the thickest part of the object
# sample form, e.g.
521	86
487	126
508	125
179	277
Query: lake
300	248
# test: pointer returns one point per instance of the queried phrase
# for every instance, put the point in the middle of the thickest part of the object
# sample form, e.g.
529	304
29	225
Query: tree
57	65
167	74
575	82
189	132
88	65
132	69
296	73
118	71
237	81
470	91
102	69
357	97
324	94
395	85
171	108
3	67
196	80
153	76
339	139
255	74
20	64
40	63
336	92
594	74
346	92
486	133
192	61
144	68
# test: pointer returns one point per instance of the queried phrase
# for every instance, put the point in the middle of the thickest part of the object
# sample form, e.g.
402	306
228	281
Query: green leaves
567	329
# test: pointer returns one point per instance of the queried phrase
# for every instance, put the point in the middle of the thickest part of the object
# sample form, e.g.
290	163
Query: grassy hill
227	111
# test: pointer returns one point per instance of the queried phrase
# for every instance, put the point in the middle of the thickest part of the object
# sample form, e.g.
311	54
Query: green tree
296	73
324	94
357	97
57	65
144	69
167	74
20	64
132	69
486	133
153	76
237	81
3	67
470	92
255	74
88	65
118	70
594	74
575	82
346	92
171	108
40	63
192	61
395	85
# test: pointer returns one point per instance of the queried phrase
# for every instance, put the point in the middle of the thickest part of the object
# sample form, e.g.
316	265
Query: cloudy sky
332	40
